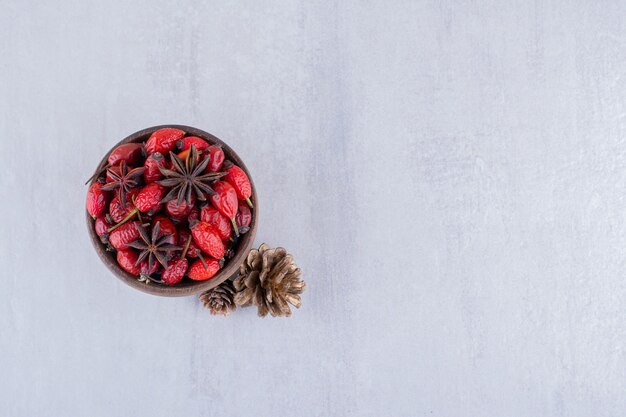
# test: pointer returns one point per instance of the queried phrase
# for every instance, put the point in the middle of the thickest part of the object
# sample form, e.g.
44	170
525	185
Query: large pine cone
219	300
270	280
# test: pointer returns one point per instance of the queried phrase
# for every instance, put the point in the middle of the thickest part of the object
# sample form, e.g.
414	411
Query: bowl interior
186	287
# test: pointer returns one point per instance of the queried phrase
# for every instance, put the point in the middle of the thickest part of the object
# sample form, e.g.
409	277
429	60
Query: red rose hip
151	171
225	200
131	153
164	140
198	272
150	197
97	200
101	226
199	143
216	219
207	239
127	259
123	235
175	271
217	158
236	177
244	216
118	211
179	211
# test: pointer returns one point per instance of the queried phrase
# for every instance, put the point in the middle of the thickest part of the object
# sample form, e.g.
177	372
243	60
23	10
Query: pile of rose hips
171	207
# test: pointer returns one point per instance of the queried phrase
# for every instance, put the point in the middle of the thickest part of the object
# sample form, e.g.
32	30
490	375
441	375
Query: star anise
153	246
188	177
123	180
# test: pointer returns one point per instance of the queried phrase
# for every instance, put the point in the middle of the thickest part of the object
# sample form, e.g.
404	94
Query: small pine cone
219	300
269	279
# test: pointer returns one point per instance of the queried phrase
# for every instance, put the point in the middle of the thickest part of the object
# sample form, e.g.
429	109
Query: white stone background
448	174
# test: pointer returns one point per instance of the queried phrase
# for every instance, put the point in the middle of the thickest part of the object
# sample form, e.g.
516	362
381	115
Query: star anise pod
153	246
123	180
188	177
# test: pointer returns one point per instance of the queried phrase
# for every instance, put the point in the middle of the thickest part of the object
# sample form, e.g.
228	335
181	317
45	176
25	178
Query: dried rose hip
97	200
124	234
101	225
207	238
199	272
118	211
199	143
151	171
216	158
243	218
131	153
180	211
127	259
236	177
164	140
216	219
150	197
175	271
225	200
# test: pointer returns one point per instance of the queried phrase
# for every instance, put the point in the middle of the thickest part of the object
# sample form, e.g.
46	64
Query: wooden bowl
186	287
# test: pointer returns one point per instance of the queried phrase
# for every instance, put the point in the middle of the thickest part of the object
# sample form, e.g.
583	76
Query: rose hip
101	225
131	153
151	171
199	143
244	216
175	271
127	259
150	197
164	140
217	158
198	272
118	211
123	235
216	219
236	177
225	200
207	238
97	200
179	211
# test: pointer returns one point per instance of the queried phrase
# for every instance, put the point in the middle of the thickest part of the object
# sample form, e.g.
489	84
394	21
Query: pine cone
269	279
219	300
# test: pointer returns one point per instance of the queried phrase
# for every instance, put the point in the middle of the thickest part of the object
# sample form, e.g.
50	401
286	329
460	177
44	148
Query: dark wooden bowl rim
186	287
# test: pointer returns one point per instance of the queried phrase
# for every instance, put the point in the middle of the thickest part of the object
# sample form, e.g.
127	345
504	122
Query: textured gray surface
449	175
